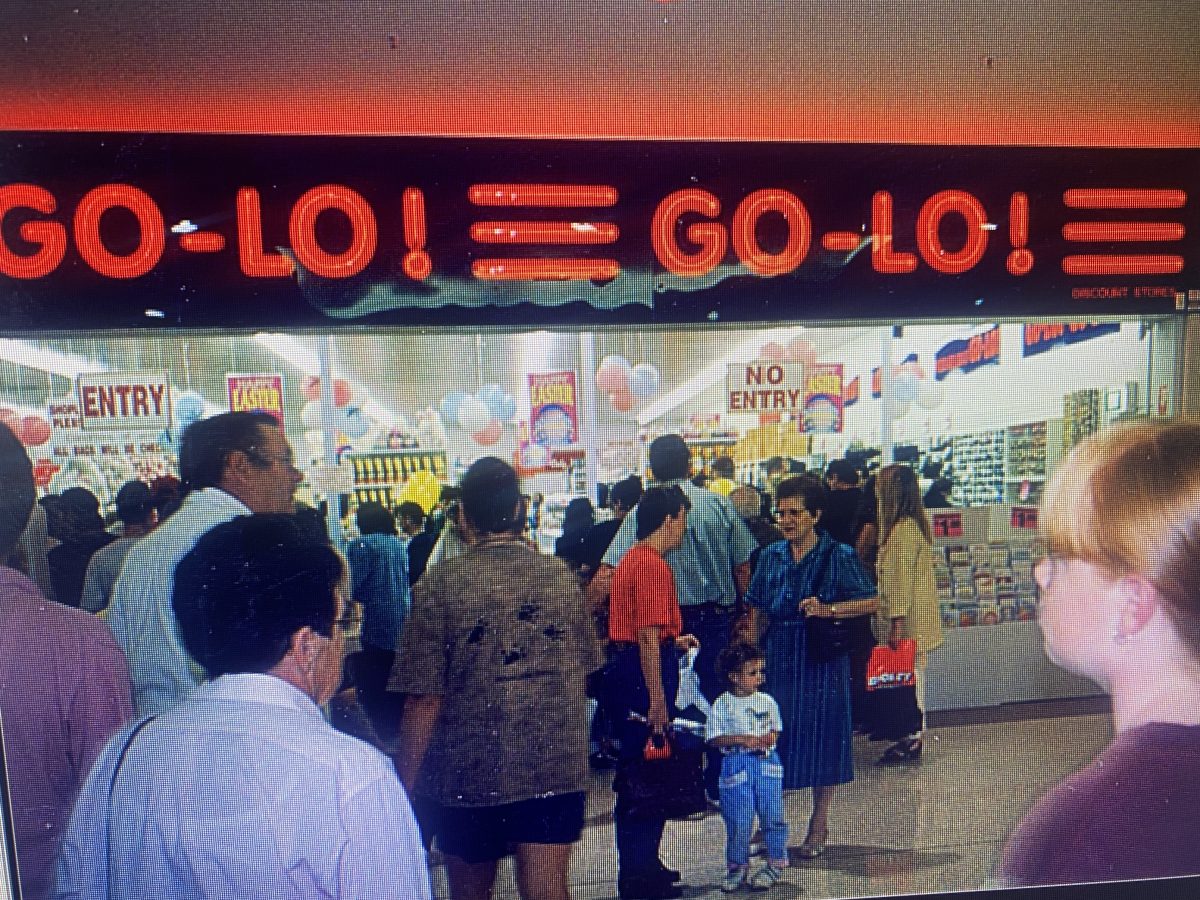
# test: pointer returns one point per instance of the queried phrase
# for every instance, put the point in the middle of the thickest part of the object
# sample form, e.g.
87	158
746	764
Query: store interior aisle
938	825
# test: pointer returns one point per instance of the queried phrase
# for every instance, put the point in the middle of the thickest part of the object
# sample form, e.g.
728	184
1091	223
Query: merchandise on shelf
1081	416
986	584
978	464
380	476
1025	472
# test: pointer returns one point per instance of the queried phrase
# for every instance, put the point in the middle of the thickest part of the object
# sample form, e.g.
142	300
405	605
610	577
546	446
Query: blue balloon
644	381
905	386
509	408
450	404
492	396
189	408
615	361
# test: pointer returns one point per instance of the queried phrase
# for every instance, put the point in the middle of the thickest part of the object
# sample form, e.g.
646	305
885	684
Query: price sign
1025	517
948	524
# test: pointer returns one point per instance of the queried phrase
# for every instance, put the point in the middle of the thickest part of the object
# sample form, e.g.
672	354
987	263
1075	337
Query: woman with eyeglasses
1120	604
907	590
806	576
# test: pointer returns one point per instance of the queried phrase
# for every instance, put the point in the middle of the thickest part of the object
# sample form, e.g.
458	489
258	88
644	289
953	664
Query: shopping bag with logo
665	781
888	668
689	685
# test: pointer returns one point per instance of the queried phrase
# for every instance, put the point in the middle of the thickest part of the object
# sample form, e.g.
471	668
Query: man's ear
304	647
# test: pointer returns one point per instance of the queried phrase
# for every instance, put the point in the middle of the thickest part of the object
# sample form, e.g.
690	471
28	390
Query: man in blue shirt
243	789
711	566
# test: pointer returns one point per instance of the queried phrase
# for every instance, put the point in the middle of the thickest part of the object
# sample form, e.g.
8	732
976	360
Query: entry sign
124	401
947	524
764	386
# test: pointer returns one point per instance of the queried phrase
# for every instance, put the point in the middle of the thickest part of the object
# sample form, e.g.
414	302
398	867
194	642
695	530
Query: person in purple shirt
1120	604
64	690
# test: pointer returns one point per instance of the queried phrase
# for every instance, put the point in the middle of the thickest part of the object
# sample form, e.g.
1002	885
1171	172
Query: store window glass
952	236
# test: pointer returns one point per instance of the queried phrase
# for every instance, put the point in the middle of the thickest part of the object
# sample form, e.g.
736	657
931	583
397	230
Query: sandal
901	752
813	846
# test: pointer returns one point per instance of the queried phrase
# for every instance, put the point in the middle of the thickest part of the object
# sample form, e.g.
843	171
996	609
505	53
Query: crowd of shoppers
229	622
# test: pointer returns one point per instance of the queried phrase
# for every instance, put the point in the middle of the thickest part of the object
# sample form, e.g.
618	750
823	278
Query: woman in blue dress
808	574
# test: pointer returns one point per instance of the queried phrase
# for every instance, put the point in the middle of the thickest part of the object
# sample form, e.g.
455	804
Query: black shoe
654	887
669	875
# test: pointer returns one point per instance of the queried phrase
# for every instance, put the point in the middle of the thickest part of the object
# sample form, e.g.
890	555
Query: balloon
930	394
422	489
342	392
912	367
450	405
612	379
900	408
904	386
508	409
34	432
772	350
534	456
311	387
315	438
473	416
492	396
489	434
310	414
644	381
12	420
616	361
801	350
622	401
189	407
355	423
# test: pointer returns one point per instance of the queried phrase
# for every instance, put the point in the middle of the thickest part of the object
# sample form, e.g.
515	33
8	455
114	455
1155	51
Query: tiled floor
937	825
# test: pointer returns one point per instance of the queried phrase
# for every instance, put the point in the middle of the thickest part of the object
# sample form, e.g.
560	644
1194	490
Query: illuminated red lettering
929	222
417	264
152	233
745	240
254	262
50	238
302	230
884	256
711	237
1020	260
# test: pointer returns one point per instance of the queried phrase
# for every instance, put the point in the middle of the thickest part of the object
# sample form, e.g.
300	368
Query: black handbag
830	638
669	787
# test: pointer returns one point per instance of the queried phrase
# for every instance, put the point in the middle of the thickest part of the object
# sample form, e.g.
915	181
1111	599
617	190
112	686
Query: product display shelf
978	464
379	476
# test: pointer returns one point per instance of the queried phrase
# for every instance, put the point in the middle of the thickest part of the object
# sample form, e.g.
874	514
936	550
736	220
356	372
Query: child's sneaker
734	879
766	878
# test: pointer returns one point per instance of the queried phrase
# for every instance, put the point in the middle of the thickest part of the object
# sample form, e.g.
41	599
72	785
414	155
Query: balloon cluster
347	419
481	415
909	386
625	383
797	350
32	431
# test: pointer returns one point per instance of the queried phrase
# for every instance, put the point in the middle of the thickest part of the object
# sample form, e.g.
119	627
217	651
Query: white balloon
930	394
473	415
315	438
900	409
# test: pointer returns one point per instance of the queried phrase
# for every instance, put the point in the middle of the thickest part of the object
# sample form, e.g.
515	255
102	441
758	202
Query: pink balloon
311	387
34	432
802	350
772	350
341	392
622	401
490	433
612	380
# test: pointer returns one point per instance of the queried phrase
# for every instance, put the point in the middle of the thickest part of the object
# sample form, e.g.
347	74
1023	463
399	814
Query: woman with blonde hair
907	588
1120	604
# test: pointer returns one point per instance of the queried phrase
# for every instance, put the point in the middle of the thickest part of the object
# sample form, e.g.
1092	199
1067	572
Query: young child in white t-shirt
744	725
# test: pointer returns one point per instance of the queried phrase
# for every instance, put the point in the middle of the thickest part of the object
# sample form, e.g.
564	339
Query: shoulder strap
112	785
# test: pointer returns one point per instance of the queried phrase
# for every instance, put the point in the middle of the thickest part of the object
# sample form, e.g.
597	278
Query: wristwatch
833	610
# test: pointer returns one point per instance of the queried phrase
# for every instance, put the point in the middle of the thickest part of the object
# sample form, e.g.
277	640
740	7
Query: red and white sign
1024	517
764	386
256	393
124	401
947	524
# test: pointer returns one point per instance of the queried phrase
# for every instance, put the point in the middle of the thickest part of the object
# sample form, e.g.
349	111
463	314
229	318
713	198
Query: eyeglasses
792	513
348	622
287	460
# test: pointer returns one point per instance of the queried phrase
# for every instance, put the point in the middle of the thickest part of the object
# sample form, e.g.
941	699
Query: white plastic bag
689	685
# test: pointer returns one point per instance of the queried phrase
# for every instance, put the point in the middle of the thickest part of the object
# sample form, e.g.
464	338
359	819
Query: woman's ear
1140	601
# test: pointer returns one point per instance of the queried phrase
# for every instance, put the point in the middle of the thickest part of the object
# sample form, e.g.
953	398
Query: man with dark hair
622	498
841	509
243	789
233	464
711	567
64	690
411	519
135	509
81	531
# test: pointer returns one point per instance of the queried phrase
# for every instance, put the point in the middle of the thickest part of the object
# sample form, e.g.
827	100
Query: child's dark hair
732	658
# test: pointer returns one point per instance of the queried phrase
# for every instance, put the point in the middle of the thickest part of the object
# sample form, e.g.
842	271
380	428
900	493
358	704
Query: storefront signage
764	386
823	404
262	393
1024	517
946	524
256	231
968	355
124	401
850	394
553	403
1039	338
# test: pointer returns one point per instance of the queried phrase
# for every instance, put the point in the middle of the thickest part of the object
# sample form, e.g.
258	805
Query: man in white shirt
234	464
243	789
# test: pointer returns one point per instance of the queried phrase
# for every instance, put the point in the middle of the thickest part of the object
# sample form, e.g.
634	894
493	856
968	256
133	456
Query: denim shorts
478	834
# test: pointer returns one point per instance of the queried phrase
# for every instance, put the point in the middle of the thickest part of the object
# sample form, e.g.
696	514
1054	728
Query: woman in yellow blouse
907	589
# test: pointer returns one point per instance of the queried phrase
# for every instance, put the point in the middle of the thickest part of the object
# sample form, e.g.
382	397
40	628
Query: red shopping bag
888	668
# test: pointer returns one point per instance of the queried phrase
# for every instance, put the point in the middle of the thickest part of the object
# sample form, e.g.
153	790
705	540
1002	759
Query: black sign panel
126	230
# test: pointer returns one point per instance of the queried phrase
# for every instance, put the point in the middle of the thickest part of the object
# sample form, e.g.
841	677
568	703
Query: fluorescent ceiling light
30	355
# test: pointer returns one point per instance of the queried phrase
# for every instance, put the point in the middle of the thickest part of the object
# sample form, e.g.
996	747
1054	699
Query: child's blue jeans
752	783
